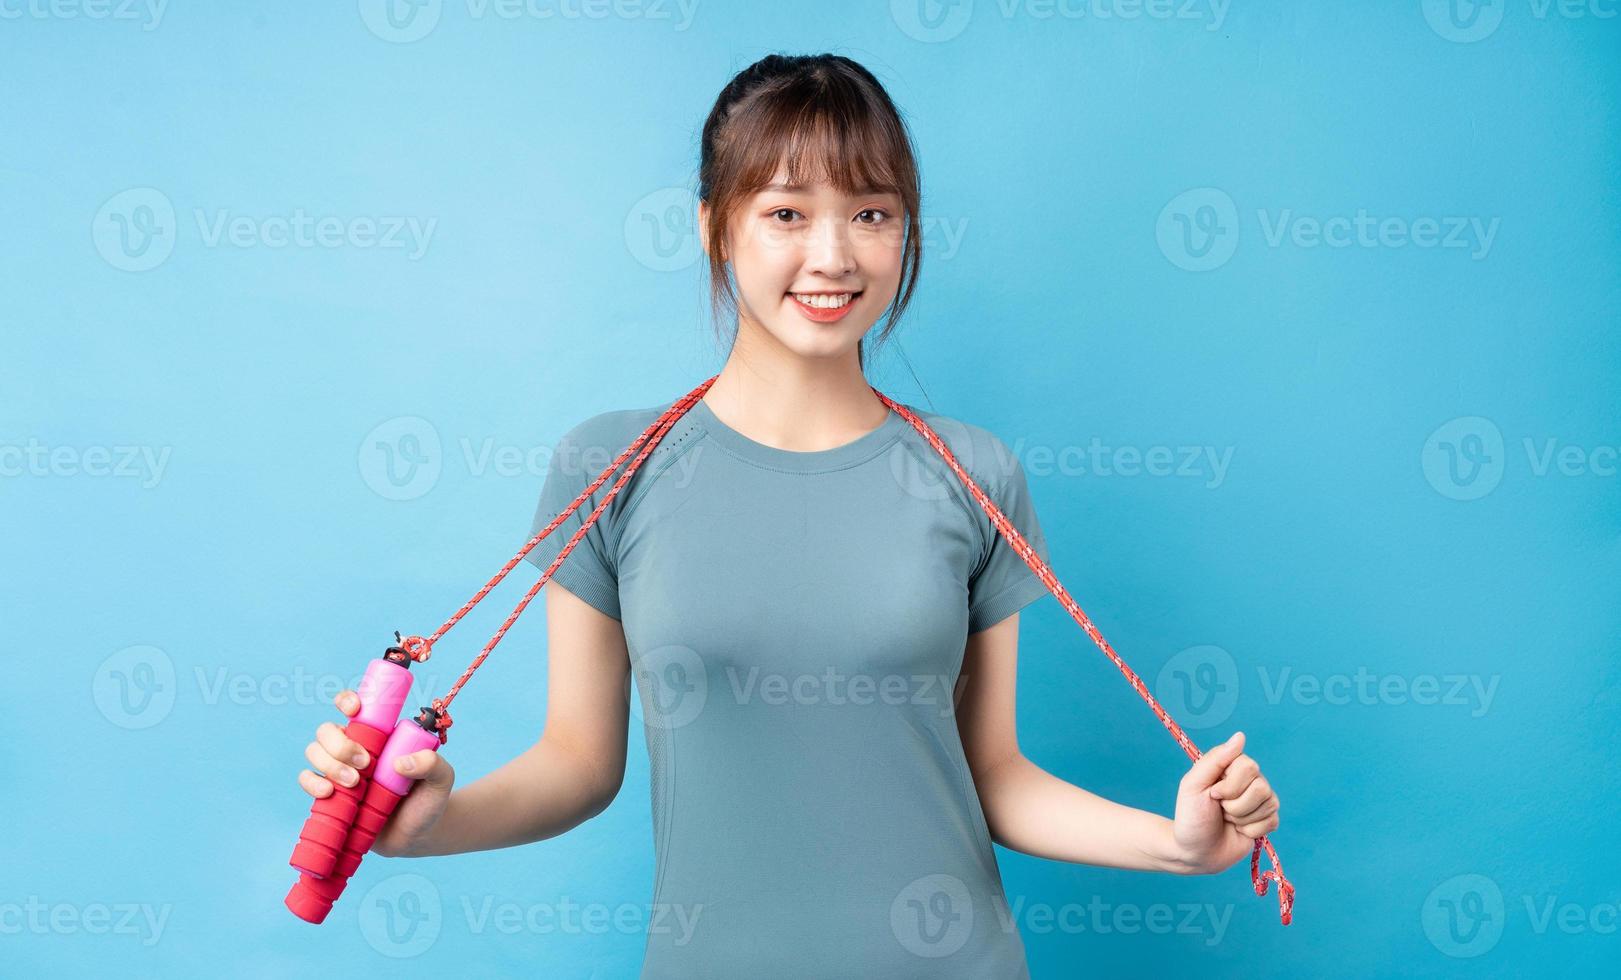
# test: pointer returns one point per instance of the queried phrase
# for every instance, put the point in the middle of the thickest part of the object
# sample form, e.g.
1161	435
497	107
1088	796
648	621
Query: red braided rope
655	432
651	435
1286	891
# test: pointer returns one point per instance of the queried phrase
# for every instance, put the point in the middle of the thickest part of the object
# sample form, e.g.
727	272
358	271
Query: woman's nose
829	252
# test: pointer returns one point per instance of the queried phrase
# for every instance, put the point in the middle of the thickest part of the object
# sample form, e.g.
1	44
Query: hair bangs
833	137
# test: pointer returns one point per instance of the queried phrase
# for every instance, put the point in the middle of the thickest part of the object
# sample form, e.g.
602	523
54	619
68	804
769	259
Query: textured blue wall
1301	317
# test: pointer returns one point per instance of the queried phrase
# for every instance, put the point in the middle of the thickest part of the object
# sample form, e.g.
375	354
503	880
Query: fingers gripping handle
312	898
321	839
383	690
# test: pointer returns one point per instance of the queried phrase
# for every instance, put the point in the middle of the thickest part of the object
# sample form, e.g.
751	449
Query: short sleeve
1002	583
589	570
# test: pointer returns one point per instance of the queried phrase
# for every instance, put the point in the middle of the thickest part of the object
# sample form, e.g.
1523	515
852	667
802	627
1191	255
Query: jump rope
342	827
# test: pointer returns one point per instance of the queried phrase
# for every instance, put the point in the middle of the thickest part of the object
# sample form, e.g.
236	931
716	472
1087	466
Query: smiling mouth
826	301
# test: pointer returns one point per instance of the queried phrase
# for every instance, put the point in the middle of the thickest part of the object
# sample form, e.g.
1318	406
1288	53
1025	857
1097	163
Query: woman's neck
796	403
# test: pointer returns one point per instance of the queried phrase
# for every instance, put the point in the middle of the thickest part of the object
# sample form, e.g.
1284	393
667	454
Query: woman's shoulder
614	429
589	447
980	451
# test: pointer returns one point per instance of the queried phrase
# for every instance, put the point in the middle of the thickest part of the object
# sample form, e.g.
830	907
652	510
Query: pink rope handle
420	647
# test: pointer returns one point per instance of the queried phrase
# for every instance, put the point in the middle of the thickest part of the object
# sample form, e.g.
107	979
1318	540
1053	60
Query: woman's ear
703	225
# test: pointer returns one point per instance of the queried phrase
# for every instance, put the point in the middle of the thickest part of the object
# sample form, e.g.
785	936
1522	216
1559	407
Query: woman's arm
576	767
1030	810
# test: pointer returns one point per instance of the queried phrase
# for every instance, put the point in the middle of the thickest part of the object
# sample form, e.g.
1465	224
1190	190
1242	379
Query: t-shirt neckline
817	460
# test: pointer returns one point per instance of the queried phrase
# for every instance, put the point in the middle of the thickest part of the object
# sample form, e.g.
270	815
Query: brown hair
826	118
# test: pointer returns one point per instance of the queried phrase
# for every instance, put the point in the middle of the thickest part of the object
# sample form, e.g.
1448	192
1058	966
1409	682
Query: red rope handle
655	432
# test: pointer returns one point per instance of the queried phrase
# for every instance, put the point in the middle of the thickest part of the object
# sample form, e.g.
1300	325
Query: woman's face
815	268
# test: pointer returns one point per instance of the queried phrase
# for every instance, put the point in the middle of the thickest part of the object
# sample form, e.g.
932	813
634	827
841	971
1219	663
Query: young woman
822	622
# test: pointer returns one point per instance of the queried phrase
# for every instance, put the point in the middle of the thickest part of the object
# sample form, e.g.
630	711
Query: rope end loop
1259	878
442	717
419	648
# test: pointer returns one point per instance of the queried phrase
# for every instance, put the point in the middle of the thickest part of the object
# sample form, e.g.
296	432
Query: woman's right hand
337	755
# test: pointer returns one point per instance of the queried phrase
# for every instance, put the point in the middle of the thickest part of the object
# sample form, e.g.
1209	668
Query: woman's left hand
1222	806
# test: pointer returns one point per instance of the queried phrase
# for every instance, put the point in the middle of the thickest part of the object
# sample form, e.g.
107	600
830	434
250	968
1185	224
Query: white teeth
824	302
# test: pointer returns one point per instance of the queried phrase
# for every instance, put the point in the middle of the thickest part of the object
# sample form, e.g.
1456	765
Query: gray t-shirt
796	623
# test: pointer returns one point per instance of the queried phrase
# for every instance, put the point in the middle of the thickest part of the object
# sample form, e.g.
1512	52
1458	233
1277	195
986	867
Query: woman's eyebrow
802	189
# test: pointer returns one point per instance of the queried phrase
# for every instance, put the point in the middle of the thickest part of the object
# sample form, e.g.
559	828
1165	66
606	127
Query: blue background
1120	249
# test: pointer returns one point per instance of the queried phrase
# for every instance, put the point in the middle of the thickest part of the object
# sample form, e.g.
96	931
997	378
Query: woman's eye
879	216
782	211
